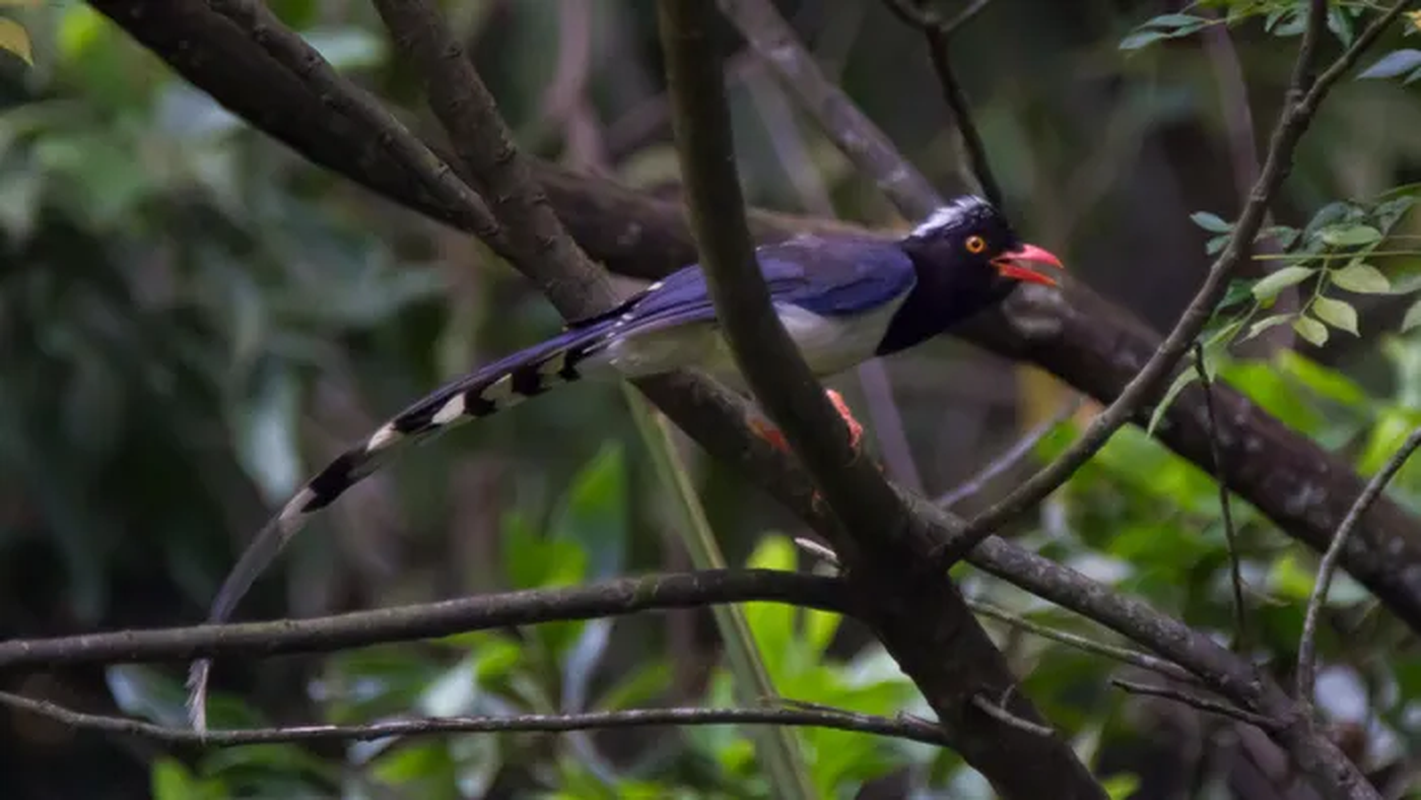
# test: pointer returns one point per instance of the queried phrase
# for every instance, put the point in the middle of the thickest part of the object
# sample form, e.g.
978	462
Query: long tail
487	391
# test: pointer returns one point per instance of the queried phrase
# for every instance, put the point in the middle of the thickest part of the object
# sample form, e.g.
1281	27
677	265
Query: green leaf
1351	236
1393	64
1412	317
172	781
1269	287
15	39
1362	279
1311	330
1139	39
1188	376
1337	313
1266	323
1212	223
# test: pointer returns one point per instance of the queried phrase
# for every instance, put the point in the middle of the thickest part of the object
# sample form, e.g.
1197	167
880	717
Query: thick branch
484	612
548	723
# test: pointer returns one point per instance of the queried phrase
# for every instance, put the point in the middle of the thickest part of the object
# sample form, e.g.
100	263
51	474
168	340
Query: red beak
1010	264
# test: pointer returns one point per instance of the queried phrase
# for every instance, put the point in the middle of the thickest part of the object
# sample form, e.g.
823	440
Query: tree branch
546	723
938	33
1301	102
1216	450
483	612
877	529
774	41
1073	333
1009	458
1307	644
1201	703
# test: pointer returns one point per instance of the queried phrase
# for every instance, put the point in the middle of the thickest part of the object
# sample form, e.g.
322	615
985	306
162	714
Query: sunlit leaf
1362	279
1393	64
1267	322
1337	313
1277	281
1210	222
1188	376
15	39
1314	332
1351	236
1412	318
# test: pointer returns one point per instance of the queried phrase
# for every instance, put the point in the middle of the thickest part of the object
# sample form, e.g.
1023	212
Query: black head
970	241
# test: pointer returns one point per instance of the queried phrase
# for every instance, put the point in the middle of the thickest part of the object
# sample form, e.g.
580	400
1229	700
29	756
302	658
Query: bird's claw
775	437
855	429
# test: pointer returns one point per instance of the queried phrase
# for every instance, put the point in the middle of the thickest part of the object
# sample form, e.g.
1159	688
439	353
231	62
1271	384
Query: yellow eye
976	244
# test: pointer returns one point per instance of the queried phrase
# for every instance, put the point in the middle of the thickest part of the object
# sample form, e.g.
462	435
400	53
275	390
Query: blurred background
193	319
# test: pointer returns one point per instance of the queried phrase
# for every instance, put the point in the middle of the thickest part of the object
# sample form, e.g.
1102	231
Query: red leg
766	430
855	429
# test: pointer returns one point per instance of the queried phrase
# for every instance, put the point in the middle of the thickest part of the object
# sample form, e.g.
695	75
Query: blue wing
832	277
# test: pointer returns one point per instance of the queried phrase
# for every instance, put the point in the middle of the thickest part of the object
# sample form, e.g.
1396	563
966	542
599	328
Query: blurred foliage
192	319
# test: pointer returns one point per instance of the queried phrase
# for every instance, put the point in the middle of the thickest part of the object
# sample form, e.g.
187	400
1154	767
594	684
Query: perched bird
843	299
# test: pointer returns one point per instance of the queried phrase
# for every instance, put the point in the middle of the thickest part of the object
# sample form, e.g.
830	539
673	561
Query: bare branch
1122	654
1201	703
546	723
483	612
867	147
1077	336
1220	474
1004	716
1307	645
1010	457
1301	103
939	35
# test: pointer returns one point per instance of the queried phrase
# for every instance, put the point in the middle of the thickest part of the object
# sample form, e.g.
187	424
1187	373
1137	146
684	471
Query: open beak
1012	264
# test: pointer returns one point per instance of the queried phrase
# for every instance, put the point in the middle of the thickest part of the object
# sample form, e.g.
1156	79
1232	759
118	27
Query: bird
843	298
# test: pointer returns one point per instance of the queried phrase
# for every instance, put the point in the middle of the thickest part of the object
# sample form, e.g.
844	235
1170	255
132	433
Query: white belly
829	345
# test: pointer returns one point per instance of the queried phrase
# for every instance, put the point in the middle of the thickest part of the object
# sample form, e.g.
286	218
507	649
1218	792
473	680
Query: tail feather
493	388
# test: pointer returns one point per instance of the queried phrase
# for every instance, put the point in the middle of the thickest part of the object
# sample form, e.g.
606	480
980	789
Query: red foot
767	431
770	433
855	429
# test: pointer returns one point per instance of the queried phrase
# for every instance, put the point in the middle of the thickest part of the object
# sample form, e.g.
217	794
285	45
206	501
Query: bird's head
969	235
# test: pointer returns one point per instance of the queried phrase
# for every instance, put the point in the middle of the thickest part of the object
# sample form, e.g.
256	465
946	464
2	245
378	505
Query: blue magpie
843	299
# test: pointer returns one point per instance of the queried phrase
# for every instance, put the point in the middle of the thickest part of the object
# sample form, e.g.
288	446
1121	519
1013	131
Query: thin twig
484	612
1201	703
1303	98
1122	654
913	12
547	723
1307	645
1002	715
939	37
772	39
1216	448
1010	457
